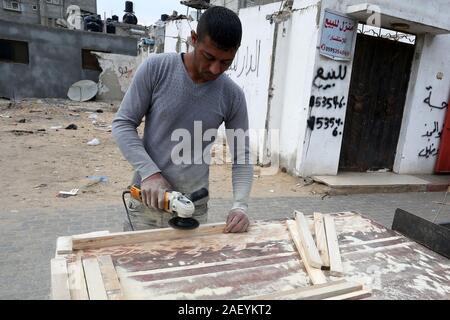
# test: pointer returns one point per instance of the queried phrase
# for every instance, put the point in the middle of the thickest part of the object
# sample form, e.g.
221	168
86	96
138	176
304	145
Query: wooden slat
59	279
306	239
94	279
63	246
316	275
336	268
357	295
77	281
321	240
110	278
316	292
125	238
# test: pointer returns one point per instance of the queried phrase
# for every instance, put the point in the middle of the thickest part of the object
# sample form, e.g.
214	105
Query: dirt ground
40	157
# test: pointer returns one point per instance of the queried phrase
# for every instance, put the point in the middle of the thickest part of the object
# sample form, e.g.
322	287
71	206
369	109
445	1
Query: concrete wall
251	68
117	74
178	34
422	124
292	82
55	59
27	15
85	5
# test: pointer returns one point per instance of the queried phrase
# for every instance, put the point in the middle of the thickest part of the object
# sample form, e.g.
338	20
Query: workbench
205	263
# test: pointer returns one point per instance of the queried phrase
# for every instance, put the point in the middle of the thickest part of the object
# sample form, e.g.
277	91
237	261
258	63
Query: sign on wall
338	32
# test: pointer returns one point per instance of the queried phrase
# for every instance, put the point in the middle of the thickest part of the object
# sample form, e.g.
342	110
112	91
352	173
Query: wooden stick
321	240
124	238
94	279
316	275
357	295
110	278
63	246
336	268
307	241
60	279
316	292
77	282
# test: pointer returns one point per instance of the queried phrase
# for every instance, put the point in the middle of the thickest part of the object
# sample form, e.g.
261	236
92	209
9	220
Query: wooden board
336	268
77	281
60	279
316	275
316	292
110	279
307	241
265	261
94	279
321	240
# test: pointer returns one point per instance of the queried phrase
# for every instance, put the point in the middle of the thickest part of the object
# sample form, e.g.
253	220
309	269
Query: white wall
417	152
293	71
251	67
177	34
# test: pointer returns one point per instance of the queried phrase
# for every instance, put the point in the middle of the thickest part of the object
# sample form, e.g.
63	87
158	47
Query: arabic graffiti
444	105
249	63
429	151
429	134
325	123
343	26
124	72
330	75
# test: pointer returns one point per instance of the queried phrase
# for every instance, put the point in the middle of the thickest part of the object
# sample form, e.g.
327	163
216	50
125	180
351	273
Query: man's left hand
237	222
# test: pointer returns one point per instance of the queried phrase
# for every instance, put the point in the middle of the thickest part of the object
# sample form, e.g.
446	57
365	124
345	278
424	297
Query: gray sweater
163	92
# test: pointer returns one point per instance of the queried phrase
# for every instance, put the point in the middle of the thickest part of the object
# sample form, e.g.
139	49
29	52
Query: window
89	60
12	5
14	51
35	7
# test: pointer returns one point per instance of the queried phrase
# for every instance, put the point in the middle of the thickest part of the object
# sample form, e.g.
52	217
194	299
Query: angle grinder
176	203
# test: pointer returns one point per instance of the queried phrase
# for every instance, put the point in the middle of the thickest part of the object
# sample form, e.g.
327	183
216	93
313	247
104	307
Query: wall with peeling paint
178	33
118	72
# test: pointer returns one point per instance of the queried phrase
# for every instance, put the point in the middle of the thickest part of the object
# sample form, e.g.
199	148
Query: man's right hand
153	189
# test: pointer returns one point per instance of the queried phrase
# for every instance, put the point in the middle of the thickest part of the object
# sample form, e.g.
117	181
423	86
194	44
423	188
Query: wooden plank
63	246
94	279
317	292
316	275
357	295
124	238
336	268
321	240
110	278
77	281
60	279
307	241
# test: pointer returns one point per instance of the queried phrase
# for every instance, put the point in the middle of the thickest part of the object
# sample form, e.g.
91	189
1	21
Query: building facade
43	62
44	12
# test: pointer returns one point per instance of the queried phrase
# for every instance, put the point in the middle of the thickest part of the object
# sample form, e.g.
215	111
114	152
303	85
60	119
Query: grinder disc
183	223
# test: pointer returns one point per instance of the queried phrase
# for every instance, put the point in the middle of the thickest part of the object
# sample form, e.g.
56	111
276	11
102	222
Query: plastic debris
94	142
72	127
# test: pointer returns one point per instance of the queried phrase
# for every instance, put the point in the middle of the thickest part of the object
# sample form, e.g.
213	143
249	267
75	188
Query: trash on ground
22	121
56	127
103	179
72	127
94	142
66	194
4	116
42	185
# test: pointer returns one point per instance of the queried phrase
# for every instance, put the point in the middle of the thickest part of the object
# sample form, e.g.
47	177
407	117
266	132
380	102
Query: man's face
209	61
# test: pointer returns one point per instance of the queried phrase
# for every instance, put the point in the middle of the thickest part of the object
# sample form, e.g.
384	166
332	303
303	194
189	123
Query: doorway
379	84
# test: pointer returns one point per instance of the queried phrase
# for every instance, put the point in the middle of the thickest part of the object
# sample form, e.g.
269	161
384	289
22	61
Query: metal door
380	77
443	160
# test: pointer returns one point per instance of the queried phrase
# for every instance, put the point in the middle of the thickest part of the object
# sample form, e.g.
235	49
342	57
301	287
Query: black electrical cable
126	208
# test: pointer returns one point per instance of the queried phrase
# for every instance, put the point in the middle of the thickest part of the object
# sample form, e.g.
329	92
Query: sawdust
40	161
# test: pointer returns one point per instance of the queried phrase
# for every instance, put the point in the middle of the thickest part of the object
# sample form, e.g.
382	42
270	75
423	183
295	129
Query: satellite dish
83	90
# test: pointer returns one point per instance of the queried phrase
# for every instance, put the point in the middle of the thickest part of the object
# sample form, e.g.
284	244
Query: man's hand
237	222
153	189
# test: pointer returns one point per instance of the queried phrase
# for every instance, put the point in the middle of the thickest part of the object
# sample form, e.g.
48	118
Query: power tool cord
126	208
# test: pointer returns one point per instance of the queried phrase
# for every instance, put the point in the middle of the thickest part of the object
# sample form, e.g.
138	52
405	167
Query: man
178	92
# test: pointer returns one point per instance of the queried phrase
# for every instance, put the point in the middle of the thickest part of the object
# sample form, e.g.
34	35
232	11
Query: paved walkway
28	237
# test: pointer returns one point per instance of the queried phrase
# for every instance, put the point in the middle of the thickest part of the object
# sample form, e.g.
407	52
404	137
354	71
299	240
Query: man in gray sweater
186	95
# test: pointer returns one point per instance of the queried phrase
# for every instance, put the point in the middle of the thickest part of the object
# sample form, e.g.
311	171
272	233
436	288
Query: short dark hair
223	27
